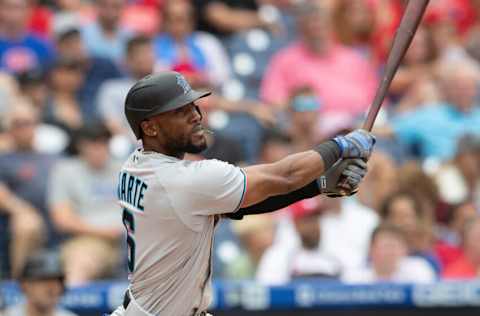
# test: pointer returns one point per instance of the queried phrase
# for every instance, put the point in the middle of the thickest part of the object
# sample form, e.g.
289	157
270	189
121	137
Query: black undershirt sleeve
277	202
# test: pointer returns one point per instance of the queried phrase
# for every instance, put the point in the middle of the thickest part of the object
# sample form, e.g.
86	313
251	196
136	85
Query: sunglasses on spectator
305	103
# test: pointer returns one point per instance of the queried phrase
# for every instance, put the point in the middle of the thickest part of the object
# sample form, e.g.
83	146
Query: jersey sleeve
208	187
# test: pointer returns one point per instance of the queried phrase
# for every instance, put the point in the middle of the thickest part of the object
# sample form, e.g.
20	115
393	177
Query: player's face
182	130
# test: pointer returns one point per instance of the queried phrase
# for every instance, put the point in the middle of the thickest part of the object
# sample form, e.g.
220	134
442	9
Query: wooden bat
403	37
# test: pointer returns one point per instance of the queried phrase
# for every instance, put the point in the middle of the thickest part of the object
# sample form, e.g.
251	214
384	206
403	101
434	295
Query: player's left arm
342	179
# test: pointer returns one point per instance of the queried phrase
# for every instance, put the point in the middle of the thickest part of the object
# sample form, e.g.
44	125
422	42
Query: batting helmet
158	93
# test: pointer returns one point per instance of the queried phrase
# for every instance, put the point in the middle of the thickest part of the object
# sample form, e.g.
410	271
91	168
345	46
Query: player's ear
148	128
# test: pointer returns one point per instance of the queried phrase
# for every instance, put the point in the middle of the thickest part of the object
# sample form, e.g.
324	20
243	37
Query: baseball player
171	205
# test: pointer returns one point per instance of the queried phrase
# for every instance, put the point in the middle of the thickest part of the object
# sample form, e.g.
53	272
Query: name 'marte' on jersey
131	190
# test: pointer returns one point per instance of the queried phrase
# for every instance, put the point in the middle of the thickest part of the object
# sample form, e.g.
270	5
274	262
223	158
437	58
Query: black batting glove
343	178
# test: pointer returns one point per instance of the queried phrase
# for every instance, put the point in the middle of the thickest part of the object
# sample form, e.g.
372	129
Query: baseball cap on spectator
43	265
30	77
93	132
305	208
90	132
65	27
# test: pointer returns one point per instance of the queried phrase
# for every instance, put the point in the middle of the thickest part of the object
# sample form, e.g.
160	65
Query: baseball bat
403	37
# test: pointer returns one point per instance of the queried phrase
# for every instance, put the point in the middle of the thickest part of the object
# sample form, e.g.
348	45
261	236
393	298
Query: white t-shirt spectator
346	234
410	270
280	265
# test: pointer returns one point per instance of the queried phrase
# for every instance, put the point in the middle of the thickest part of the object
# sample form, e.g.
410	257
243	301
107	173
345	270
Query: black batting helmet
158	93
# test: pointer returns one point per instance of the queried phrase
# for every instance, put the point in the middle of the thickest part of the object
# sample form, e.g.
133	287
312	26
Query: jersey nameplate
131	190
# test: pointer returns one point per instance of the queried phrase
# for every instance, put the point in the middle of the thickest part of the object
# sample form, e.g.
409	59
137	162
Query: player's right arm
210	187
298	170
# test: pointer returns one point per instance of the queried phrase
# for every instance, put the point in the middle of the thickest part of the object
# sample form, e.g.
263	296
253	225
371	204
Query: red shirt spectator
447	254
142	18
462	268
40	20
468	265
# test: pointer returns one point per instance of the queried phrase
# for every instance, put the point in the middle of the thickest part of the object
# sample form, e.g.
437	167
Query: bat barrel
403	37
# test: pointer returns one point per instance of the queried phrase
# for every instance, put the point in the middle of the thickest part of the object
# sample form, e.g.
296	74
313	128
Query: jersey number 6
129	223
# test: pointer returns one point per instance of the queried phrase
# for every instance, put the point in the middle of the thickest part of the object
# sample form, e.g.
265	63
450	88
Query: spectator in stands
282	263
105	37
252	49
225	149
71	12
243	121
34	87
225	17
275	146
86	209
457	180
255	234
304	116
354	25
8	90
63	106
40	18
380	181
70	46
42	283
138	63
24	174
449	244
25	230
342	79
435	129
141	16
412	175
198	55
472	38
390	261
404	210
415	75
468	265
20	50
355	217
447	39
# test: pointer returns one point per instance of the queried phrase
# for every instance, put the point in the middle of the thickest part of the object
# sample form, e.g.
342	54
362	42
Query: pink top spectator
344	81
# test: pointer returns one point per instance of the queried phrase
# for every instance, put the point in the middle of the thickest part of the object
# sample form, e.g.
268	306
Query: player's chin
197	145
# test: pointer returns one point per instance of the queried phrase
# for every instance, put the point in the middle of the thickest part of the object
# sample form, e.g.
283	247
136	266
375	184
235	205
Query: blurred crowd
285	75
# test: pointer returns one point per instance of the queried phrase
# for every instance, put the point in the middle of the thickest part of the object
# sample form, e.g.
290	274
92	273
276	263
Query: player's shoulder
201	173
207	167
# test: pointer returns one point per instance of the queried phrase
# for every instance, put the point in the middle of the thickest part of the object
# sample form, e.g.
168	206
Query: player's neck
158	148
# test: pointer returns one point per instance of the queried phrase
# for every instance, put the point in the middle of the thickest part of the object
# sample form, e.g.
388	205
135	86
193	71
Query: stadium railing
306	297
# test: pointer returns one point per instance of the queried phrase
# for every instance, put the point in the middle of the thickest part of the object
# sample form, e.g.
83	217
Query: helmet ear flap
199	111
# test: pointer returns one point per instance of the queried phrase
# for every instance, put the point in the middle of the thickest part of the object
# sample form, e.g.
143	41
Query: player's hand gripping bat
403	37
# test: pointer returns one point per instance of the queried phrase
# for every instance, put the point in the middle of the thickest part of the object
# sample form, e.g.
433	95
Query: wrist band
330	153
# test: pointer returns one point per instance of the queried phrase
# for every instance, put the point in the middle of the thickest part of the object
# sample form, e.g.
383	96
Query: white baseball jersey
168	208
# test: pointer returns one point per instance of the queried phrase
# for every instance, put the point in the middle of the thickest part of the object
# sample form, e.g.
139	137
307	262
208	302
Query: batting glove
357	144
343	178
